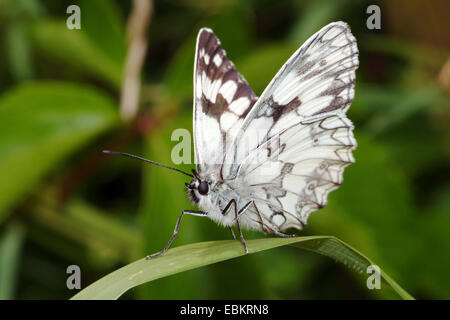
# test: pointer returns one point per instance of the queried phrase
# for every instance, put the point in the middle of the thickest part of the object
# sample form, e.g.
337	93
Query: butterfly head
197	188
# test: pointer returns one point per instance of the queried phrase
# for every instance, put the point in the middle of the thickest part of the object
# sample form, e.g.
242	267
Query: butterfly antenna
195	173
146	160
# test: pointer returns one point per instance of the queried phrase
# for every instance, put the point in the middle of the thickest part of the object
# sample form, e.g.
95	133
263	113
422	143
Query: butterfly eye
203	188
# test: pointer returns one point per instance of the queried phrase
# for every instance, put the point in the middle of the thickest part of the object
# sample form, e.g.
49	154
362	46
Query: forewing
222	99
316	82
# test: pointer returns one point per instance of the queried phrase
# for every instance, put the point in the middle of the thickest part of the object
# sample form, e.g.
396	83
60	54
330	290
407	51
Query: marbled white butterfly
266	163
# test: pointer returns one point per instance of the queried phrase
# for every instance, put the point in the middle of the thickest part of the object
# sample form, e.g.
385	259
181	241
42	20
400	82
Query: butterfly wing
296	140
290	175
222	98
317	81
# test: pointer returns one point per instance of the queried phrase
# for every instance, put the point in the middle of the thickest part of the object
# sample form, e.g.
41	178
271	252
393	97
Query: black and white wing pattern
294	143
277	157
222	99
267	163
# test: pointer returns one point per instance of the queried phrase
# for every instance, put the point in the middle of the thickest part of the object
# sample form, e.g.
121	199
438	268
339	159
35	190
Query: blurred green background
62	202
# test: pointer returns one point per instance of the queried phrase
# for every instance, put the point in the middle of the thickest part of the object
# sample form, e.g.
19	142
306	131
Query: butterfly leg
243	209
236	214
225	212
175	232
232	233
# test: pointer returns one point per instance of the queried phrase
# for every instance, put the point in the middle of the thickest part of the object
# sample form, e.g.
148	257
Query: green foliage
195	255
76	50
10	247
42	123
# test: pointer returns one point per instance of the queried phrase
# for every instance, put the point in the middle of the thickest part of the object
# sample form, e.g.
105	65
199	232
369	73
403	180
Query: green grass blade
10	249
340	251
200	254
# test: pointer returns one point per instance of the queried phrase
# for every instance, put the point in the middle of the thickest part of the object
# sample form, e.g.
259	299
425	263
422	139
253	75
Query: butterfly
266	163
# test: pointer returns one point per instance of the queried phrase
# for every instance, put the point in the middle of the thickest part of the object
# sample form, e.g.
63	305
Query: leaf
18	47
77	49
111	43
10	247
200	254
42	123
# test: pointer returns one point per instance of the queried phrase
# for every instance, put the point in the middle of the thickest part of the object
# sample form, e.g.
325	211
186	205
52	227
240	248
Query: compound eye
203	188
